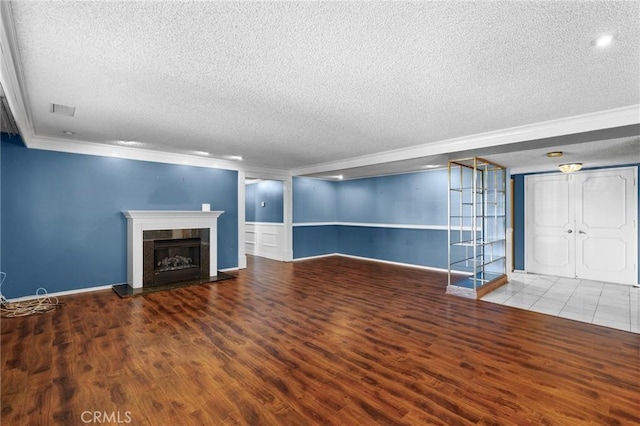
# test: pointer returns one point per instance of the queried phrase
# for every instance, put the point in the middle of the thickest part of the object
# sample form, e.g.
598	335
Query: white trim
301	224
599	120
319	256
265	239
389	262
287	210
379	225
11	73
242	255
229	269
141	154
408	265
63	293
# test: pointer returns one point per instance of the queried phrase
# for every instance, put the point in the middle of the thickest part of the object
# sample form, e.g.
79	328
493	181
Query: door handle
569	231
581	232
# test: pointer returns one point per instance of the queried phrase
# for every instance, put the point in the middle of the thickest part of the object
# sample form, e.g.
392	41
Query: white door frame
287	187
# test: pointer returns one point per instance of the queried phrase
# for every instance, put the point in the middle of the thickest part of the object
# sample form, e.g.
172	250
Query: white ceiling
306	86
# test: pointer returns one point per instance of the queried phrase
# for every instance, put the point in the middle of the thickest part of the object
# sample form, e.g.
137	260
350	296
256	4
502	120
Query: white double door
582	225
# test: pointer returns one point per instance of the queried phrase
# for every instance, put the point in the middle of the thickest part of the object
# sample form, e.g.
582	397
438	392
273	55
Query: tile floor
595	302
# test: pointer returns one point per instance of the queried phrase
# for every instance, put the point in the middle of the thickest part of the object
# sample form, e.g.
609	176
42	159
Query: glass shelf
477	242
477	222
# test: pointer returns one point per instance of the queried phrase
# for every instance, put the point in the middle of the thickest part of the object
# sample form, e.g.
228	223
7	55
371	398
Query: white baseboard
389	262
63	293
298	259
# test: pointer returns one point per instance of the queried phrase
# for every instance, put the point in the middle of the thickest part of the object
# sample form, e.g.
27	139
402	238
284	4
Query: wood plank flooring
331	341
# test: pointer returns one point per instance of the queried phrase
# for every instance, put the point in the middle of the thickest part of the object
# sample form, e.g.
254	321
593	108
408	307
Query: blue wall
518	222
425	247
412	198
518	234
271	193
62	226
314	240
314	201
407	199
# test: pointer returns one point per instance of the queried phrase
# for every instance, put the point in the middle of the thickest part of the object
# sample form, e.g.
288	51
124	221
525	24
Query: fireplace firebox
176	260
175	255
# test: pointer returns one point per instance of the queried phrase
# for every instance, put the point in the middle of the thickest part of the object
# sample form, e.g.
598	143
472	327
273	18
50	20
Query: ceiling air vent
62	110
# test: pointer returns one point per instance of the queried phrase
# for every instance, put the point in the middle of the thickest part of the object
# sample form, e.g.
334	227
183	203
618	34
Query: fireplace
146	228
175	255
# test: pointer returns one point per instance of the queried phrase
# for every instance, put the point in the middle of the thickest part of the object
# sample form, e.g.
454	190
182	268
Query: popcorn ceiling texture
293	84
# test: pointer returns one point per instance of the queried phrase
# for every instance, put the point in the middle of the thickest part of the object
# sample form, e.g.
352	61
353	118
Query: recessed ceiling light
68	132
431	166
554	154
205	153
234	157
603	41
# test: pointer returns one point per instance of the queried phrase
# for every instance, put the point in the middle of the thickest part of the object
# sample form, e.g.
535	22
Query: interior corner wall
62	224
314	215
399	218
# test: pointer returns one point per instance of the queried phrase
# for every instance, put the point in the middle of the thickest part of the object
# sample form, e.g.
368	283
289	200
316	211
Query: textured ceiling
288	85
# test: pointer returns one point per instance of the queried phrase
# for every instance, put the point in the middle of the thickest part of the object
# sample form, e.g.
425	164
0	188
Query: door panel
549	233
605	225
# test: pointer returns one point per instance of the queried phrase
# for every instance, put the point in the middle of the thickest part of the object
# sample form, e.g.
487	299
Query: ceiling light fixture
432	166
234	157
68	132
570	167
204	153
554	154
603	41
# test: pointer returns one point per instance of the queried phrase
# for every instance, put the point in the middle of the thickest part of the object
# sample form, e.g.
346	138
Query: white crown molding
130	153
11	74
599	120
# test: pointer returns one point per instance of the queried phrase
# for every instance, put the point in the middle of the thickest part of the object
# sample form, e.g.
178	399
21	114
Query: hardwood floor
326	341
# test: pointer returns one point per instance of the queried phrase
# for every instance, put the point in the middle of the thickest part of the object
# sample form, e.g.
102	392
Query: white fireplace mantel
139	221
